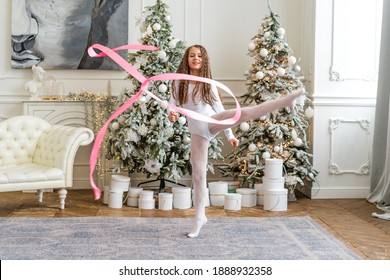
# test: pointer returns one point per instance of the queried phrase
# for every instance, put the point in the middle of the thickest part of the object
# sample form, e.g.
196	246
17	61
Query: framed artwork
56	34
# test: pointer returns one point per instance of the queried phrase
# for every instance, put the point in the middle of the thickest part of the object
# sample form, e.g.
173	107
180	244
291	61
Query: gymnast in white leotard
204	98
198	127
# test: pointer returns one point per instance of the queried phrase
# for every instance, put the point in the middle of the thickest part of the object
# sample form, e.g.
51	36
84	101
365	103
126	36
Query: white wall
344	107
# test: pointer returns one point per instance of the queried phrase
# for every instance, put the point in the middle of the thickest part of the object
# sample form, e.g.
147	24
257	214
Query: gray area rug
91	238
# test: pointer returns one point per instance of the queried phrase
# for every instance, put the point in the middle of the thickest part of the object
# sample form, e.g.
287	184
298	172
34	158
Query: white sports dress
199	127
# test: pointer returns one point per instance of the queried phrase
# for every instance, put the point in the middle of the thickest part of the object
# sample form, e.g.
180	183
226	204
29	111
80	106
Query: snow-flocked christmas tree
142	139
281	134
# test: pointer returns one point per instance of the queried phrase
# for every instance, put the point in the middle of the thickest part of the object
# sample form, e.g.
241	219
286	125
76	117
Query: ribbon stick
131	70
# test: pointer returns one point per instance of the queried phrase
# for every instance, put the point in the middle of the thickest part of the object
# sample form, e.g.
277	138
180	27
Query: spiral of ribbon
131	70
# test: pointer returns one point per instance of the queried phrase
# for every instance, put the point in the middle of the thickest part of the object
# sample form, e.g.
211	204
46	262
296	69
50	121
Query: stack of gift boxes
270	194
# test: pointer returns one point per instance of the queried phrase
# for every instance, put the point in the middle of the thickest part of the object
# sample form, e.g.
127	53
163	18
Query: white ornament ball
277	149
281	71
121	119
298	142
162	88
286	154
266	155
115	126
164	104
244	126
281	31
251	46
263	52
156	26
142	99
263	118
260	75
182	120
162	55
168	18
172	44
153	122
309	112
297	68
292	60
267	34
252	147
186	140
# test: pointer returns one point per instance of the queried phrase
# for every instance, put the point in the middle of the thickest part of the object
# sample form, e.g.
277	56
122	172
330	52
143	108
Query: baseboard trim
340	192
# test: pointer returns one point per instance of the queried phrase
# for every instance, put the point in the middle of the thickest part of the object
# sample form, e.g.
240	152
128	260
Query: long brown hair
201	88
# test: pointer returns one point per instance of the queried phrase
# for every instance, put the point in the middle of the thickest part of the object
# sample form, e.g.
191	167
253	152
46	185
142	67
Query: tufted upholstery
35	155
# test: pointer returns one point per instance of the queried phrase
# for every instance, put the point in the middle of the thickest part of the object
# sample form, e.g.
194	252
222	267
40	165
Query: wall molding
361	61
338	145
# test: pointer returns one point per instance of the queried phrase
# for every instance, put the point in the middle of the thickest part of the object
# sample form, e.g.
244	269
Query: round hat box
181	197
275	200
165	201
217	193
232	202
120	183
248	197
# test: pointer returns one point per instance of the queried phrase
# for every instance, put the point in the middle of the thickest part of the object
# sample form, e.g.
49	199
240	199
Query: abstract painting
56	34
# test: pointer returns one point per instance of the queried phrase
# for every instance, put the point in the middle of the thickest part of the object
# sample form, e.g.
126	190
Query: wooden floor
349	220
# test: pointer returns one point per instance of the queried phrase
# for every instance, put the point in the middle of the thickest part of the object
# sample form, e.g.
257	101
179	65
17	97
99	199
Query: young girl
204	98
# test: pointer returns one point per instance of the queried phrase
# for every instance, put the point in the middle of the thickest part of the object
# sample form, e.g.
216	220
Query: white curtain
380	176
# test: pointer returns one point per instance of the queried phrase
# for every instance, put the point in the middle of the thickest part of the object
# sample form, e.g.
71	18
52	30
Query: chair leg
62	195
40	195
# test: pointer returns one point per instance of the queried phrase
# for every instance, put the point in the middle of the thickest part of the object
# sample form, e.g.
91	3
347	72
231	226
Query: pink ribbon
130	69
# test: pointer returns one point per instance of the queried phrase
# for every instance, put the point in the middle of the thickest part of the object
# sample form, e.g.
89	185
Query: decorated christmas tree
142	139
281	134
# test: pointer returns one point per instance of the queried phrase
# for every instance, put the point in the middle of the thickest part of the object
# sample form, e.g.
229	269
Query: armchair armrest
58	146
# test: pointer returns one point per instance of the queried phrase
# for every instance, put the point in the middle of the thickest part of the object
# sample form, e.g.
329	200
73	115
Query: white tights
199	151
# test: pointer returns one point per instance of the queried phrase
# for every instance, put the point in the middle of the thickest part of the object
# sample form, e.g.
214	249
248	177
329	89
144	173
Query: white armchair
36	155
